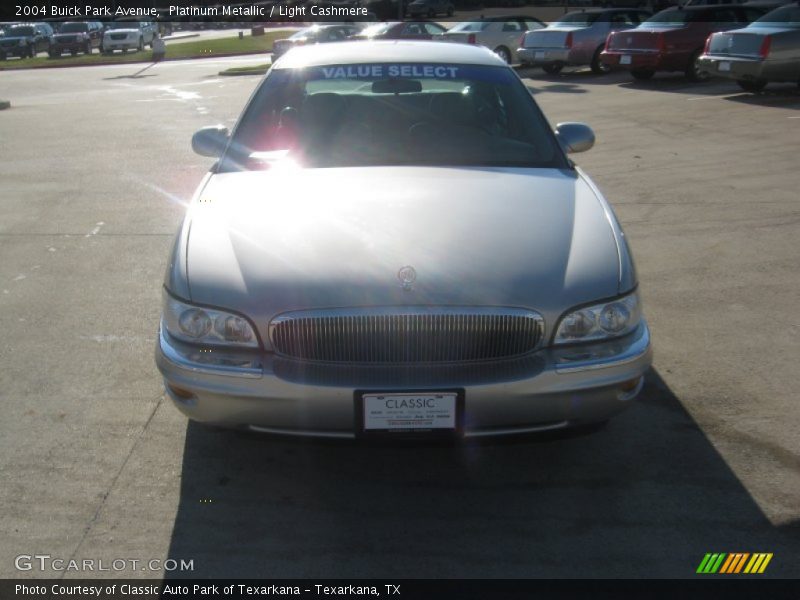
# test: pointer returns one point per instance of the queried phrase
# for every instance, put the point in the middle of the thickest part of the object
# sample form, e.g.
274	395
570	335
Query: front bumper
126	44
69	46
15	50
549	389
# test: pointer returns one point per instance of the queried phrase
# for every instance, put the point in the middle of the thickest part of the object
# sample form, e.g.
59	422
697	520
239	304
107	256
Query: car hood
266	242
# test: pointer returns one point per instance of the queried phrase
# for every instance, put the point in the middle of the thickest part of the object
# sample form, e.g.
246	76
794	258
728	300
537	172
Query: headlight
199	325
600	321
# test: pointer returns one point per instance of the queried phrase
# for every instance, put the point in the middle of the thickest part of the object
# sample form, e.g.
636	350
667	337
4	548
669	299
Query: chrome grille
406	334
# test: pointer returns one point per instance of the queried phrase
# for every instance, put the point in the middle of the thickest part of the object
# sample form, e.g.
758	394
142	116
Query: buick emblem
407	276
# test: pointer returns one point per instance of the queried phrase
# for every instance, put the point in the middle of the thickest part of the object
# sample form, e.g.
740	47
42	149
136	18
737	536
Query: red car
673	39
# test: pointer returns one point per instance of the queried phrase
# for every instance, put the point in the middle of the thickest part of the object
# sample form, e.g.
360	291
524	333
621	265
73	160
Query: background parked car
128	35
577	38
430	8
766	50
385	10
651	5
407	30
673	39
78	36
711	2
316	34
501	34
25	40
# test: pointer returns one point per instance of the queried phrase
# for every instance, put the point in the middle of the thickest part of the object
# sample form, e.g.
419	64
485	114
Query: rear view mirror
575	137
396	86
210	141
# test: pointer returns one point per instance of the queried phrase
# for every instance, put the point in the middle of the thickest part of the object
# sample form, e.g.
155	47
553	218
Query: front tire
752	86
642	75
598	66
552	69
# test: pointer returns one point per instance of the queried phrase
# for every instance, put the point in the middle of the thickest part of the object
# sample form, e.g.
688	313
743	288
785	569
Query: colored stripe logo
734	563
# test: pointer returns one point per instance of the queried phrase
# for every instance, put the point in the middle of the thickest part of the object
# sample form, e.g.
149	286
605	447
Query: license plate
625	59
724	66
431	413
539	55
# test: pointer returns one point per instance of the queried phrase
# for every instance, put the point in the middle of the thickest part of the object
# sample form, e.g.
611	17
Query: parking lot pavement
96	168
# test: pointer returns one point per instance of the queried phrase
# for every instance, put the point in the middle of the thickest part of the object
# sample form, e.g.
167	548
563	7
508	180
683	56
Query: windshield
785	16
470	26
668	18
394	114
15	31
73	28
577	19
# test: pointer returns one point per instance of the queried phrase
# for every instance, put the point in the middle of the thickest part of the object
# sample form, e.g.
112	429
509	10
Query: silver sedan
500	34
393	242
766	50
576	39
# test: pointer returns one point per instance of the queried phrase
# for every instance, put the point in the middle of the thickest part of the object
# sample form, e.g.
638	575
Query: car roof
344	53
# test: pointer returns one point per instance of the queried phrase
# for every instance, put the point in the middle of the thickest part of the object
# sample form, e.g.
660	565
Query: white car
503	35
128	35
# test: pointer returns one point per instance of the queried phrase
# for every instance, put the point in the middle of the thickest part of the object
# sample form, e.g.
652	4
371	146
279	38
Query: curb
227	73
4	104
139	62
180	36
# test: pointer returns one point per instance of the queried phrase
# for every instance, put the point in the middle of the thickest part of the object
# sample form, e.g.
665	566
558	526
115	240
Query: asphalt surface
95	171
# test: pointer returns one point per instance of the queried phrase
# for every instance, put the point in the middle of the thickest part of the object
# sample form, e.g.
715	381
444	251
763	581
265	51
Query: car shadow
558	88
773	96
572	75
646	496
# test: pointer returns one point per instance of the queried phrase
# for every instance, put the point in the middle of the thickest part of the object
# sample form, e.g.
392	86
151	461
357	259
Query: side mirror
210	141
575	137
